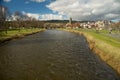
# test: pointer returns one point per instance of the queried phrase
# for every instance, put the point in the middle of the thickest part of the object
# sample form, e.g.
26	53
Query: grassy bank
104	45
12	34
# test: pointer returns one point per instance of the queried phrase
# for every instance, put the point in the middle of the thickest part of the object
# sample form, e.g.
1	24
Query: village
96	25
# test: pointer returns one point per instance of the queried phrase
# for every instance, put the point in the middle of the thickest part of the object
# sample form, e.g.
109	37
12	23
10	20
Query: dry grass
107	52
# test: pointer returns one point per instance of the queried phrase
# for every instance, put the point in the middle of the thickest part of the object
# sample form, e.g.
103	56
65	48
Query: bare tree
18	16
3	15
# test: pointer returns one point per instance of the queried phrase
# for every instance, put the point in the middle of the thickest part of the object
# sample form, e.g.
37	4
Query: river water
52	55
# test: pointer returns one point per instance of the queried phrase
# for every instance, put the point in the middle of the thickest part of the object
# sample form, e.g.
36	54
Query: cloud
45	16
51	17
36	16
87	9
6	0
39	1
27	2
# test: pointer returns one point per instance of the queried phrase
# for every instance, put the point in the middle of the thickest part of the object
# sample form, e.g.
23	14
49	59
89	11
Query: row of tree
17	20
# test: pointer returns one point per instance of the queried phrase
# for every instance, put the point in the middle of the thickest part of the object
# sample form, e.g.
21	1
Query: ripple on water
52	55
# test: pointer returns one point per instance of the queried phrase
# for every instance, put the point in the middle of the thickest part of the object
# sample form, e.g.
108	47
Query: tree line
17	20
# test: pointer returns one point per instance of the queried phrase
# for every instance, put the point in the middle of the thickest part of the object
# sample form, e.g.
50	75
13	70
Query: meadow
16	33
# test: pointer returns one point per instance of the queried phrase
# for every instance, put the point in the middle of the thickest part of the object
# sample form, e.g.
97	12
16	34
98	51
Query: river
52	55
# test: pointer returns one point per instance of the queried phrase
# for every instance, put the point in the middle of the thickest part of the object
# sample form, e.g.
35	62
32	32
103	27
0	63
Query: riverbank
14	34
105	46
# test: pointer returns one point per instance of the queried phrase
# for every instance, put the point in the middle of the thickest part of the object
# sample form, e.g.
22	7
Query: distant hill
64	21
57	21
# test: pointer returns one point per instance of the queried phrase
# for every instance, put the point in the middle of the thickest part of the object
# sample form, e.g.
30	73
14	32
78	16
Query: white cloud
6	0
51	17
27	2
36	16
39	1
87	9
45	16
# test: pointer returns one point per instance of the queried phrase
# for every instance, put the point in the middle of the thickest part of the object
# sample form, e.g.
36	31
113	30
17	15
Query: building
100	24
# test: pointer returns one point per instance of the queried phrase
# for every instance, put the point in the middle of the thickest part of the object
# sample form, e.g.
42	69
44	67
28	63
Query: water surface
52	55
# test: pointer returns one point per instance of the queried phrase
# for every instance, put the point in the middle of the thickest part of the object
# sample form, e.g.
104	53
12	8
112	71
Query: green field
104	36
16	32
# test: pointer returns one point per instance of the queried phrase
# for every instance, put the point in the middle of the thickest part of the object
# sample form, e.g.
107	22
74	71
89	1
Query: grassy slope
107	47
13	33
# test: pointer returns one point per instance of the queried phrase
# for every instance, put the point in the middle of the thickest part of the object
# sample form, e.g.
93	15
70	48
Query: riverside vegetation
106	46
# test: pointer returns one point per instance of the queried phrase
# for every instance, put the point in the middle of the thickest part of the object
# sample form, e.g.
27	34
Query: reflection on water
52	55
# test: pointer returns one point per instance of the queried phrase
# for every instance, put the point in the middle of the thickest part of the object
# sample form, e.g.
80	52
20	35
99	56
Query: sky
64	9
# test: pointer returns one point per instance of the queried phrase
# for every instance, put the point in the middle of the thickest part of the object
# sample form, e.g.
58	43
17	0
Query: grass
17	33
103	36
104	45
